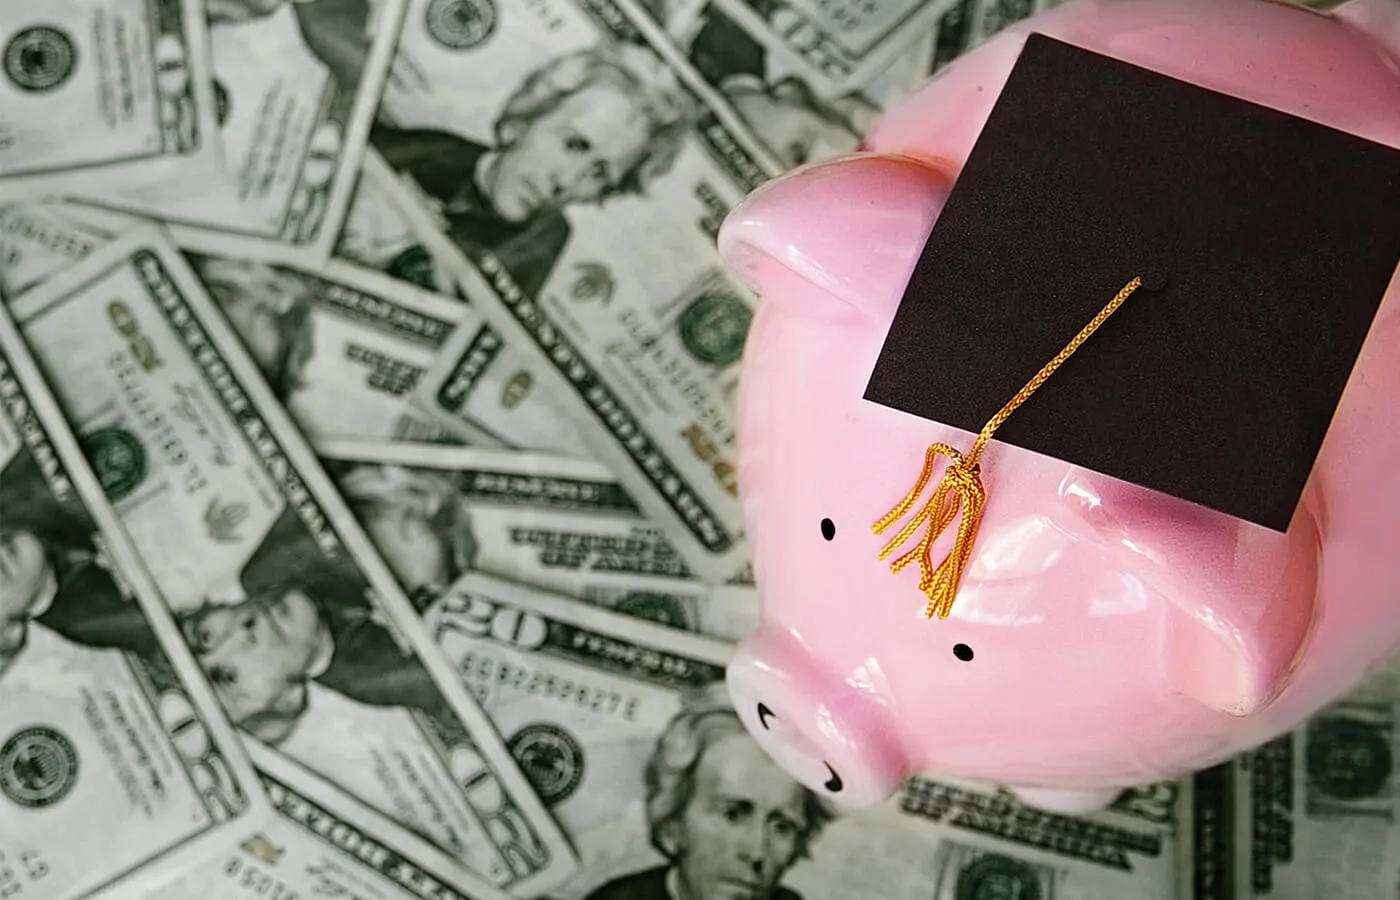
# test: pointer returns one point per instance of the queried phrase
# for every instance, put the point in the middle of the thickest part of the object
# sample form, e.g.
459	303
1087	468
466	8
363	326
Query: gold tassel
961	489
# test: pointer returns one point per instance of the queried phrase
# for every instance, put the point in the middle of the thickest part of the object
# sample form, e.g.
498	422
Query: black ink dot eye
828	529
962	652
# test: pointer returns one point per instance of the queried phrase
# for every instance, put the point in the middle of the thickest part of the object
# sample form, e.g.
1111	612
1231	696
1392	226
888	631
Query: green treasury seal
118	459
664	609
38	767
551	759
461	24
1347	759
994	876
415	266
39	58
713	328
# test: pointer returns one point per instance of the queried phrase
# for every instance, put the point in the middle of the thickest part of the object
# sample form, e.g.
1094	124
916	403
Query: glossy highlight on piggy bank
1122	617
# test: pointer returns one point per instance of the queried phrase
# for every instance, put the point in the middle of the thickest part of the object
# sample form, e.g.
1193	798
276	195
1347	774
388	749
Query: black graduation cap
1264	243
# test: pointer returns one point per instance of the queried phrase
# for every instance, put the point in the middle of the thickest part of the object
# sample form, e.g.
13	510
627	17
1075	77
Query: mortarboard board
1271	240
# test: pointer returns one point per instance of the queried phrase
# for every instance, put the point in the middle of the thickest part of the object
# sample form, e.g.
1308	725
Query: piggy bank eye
962	652
828	529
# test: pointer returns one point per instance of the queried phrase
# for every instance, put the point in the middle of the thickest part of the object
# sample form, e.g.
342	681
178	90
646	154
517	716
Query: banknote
906	74
584	232
626	729
324	844
498	401
375	235
309	643
114	754
773	99
730	44
342	347
991	845
94	92
297	87
37	241
342	350
966	24
1212	851
835	46
559	523
1305	815
1325	800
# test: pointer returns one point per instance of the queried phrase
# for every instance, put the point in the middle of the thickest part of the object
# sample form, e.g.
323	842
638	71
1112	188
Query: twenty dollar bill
297	84
497	399
342	348
114	754
558	523
596	263
310	644
324	844
94	92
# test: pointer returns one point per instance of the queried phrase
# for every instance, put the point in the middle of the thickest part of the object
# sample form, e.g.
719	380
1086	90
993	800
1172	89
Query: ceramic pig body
1103	635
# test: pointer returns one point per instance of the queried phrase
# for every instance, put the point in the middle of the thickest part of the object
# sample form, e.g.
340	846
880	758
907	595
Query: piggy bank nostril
812	727
796	743
834	783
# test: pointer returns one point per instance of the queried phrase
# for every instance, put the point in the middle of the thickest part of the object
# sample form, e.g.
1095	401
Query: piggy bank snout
836	740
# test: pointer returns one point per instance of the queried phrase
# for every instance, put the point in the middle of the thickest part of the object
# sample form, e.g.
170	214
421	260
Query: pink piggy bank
1103	635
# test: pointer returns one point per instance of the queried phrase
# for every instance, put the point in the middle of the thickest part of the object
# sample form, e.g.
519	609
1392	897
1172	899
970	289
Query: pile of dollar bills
368	523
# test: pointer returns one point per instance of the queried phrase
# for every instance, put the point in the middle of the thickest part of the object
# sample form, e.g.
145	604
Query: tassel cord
961	491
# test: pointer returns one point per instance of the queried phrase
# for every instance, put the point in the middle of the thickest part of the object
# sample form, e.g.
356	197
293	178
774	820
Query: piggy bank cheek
805	455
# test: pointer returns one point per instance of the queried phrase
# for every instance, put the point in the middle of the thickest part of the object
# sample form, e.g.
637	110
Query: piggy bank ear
1241	600
1378	18
852	227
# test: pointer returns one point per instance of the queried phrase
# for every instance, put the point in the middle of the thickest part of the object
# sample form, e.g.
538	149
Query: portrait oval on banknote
39	58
